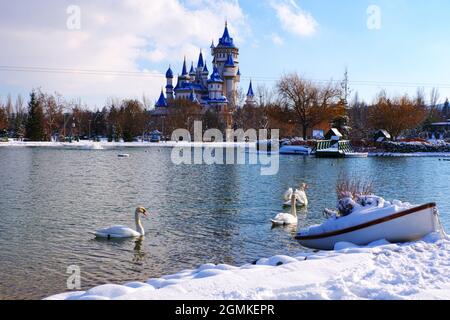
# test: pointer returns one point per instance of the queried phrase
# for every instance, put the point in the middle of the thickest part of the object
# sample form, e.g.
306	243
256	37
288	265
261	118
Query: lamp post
90	129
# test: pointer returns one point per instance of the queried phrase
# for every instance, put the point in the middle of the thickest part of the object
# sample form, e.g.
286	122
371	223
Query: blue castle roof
230	61
250	91
215	76
201	62
192	71
162	102
226	40
205	69
184	72
169	73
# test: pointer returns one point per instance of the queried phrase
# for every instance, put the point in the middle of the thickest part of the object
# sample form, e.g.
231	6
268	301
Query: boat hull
404	226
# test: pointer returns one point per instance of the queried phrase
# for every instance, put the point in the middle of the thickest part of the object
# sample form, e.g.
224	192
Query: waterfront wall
412	147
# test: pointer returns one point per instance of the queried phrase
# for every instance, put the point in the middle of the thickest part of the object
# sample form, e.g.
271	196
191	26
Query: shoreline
379	271
89	145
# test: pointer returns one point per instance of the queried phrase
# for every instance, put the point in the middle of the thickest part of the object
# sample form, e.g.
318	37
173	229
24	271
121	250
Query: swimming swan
283	219
122	231
302	199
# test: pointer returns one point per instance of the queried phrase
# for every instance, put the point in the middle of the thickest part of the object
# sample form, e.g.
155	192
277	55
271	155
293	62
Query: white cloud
276	39
127	35
294	19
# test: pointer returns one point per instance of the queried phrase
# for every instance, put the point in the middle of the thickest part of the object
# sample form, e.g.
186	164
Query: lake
50	199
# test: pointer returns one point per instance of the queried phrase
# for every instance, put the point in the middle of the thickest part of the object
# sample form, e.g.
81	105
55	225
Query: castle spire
162	102
250	90
226	40
184	72
201	62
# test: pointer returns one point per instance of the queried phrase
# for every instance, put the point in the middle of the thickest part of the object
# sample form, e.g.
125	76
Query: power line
146	74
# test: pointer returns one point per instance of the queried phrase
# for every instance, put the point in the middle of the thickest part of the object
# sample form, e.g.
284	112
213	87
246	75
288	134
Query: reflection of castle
218	90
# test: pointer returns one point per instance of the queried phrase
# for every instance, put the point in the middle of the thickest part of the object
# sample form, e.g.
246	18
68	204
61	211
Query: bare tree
396	114
312	103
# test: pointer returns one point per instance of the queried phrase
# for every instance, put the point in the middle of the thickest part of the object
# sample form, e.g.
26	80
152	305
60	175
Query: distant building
333	134
217	90
382	135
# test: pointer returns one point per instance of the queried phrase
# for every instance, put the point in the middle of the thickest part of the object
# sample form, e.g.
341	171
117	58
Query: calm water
50	200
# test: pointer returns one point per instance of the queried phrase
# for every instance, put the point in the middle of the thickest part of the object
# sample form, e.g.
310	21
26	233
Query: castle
217	90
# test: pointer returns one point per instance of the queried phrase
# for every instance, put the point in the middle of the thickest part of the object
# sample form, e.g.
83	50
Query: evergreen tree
35	124
446	109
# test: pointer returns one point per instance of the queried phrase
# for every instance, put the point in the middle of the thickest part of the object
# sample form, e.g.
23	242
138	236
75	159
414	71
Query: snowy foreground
419	270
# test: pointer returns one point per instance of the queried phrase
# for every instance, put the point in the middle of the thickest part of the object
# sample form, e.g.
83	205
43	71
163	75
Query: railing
344	146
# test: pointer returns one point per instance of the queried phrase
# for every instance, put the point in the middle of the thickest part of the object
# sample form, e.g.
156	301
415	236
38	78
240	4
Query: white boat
356	155
292	149
124	155
404	226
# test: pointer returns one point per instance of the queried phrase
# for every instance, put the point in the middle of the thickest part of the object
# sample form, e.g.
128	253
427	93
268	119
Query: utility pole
346	88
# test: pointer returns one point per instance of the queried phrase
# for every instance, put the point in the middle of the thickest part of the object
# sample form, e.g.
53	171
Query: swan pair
121	232
291	218
300	194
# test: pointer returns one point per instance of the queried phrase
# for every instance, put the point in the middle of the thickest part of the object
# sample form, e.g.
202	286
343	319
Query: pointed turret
184	72
215	76
226	40
205	69
250	95
169	73
201	62
192	72
230	61
169	84
162	102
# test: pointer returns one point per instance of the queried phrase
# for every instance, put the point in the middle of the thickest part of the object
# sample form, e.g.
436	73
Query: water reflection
139	253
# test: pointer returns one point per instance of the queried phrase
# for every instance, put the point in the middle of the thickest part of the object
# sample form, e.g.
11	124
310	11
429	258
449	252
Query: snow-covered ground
419	270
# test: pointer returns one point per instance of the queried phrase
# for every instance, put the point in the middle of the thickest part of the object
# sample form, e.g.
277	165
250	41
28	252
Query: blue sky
317	38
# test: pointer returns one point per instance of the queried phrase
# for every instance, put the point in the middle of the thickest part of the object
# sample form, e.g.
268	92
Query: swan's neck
294	206
139	227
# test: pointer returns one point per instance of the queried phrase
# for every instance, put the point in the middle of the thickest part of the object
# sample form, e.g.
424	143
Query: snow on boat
397	222
298	150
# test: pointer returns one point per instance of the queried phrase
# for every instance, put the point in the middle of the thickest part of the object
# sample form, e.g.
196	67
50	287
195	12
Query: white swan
122	231
283	219
301	198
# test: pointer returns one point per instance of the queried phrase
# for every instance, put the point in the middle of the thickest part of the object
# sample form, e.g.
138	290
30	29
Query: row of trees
295	106
49	116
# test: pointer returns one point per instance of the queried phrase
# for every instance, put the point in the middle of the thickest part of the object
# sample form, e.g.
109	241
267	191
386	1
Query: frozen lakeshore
89	145
419	270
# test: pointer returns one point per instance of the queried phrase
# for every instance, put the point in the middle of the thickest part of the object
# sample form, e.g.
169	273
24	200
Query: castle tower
226	58
205	74
184	78
250	100
169	86
215	86
192	73
229	75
